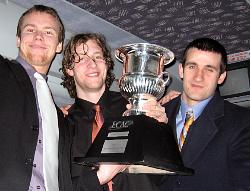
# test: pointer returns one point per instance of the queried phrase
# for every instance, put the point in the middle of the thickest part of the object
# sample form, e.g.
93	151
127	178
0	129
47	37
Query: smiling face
89	70
200	75
38	42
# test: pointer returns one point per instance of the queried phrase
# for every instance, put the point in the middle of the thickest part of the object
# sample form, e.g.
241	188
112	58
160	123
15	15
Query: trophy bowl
143	76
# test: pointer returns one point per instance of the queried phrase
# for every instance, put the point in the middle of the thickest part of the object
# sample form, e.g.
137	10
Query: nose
199	75
91	62
38	35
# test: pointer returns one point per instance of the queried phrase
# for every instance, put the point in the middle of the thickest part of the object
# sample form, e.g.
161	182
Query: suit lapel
26	87
202	131
172	109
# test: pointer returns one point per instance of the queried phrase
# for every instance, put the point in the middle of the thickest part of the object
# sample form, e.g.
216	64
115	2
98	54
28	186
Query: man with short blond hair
40	36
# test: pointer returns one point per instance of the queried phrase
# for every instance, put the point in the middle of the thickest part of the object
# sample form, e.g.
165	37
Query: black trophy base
141	142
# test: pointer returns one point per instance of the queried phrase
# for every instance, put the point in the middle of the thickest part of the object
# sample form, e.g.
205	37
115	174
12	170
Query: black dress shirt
80	118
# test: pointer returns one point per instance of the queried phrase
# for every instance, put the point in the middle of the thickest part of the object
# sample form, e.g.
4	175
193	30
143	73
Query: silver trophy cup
143	76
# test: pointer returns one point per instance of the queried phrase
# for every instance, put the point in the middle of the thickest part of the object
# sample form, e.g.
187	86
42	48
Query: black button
28	161
34	127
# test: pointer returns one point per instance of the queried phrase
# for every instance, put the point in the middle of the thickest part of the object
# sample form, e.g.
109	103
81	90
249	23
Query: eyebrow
98	53
207	65
211	66
190	63
33	25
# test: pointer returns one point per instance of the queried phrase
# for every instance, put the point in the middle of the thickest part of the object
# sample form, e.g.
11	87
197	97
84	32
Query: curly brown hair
69	57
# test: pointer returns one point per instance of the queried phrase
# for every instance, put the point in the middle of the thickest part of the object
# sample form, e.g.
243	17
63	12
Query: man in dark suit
217	143
40	35
88	74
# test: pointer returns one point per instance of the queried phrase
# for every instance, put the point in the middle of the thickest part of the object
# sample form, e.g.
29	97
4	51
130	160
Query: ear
180	70
70	72
18	41
222	78
59	47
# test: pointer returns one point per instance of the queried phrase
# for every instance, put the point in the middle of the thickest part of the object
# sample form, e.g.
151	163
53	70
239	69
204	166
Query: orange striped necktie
97	125
189	119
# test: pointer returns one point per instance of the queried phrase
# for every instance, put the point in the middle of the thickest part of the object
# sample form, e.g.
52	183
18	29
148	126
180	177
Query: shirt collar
105	102
28	68
197	108
87	106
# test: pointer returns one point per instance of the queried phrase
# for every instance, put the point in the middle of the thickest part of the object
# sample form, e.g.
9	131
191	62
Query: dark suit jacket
19	130
81	118
217	147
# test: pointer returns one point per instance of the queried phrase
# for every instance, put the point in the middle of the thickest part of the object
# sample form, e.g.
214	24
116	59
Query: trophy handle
166	79
120	55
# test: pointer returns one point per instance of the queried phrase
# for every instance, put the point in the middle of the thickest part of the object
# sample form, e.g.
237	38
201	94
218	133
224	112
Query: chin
94	86
199	98
39	60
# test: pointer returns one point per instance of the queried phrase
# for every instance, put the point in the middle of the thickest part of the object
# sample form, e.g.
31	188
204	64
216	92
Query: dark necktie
97	125
189	119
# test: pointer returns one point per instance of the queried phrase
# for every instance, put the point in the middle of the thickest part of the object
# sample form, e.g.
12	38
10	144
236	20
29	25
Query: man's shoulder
7	64
116	96
172	103
236	110
235	117
2	58
74	109
114	93
4	61
74	114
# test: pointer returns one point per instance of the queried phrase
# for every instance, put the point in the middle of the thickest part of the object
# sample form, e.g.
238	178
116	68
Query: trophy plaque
140	142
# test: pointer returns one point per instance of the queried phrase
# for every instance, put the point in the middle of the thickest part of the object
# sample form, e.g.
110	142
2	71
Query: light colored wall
9	14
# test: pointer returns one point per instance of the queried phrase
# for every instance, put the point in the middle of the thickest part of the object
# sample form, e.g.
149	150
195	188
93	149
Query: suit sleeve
87	181
239	168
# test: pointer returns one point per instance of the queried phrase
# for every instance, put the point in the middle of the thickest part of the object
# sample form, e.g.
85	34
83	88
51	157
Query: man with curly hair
88	73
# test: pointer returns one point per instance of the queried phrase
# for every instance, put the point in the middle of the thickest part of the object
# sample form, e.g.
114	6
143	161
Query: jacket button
34	127
178	182
28	161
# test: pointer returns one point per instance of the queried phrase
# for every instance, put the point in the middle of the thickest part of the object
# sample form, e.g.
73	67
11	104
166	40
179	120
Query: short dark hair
208	44
69	57
43	9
